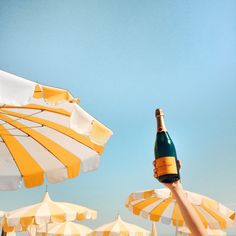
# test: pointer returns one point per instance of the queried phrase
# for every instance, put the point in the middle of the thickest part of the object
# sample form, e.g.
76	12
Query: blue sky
123	59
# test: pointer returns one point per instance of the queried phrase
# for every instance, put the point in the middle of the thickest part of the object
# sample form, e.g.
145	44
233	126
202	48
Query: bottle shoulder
164	137
164	145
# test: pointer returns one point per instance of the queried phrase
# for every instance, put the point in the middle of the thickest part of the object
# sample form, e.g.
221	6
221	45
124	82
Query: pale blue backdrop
123	59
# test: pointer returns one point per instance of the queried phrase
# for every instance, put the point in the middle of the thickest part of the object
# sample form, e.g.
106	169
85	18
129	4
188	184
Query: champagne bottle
165	153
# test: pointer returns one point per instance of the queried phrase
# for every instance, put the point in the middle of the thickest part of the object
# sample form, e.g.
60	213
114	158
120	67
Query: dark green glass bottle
165	153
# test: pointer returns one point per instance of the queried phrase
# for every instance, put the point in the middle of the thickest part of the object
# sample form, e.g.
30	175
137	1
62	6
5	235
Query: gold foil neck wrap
159	112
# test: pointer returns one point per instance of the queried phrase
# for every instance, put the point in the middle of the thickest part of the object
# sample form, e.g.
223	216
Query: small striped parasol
66	229
46	212
120	228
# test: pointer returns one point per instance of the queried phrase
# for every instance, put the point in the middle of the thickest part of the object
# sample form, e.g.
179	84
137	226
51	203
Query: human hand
171	186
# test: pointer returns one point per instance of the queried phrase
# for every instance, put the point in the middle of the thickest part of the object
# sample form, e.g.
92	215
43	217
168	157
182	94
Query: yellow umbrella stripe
29	217
139	195
204	221
66	228
27	221
52	94
177	216
137	208
60	128
105	233
220	219
8	228
148	194
130	199
32	172
124	233
156	213
57	213
67	158
80	217
58	218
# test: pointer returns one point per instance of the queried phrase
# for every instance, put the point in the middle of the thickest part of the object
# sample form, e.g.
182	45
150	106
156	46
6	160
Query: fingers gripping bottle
165	153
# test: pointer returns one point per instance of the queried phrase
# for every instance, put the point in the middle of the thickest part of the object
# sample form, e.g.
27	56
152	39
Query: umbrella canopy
46	212
2	214
66	229
120	228
43	131
211	232
159	204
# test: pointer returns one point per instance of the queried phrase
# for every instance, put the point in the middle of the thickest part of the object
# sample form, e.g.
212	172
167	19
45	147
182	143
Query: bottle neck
160	124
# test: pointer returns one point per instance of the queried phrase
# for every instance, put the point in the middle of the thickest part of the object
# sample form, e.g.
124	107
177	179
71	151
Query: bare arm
190	216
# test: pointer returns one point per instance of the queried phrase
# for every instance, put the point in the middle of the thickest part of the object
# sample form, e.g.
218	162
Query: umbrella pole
3	233
176	229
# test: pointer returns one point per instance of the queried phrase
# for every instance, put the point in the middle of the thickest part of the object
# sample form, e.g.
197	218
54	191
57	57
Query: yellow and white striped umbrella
43	131
211	232
66	229
120	228
46	212
159	204
2	214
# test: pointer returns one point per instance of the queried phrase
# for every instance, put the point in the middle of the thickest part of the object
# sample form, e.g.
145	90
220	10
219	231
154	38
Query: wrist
176	187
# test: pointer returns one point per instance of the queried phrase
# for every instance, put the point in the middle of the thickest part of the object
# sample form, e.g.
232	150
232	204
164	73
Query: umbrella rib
68	159
15	135
5	112
29	127
40	107
62	129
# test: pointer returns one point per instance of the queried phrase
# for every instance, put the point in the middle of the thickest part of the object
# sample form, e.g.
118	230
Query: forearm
190	216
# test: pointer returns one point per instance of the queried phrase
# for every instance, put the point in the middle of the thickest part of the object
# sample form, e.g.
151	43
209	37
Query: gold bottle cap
159	112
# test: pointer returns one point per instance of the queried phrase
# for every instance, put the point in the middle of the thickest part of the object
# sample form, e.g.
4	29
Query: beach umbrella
45	212
31	230
66	229
2	218
211	232
158	204
2	214
44	132
13	233
120	228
